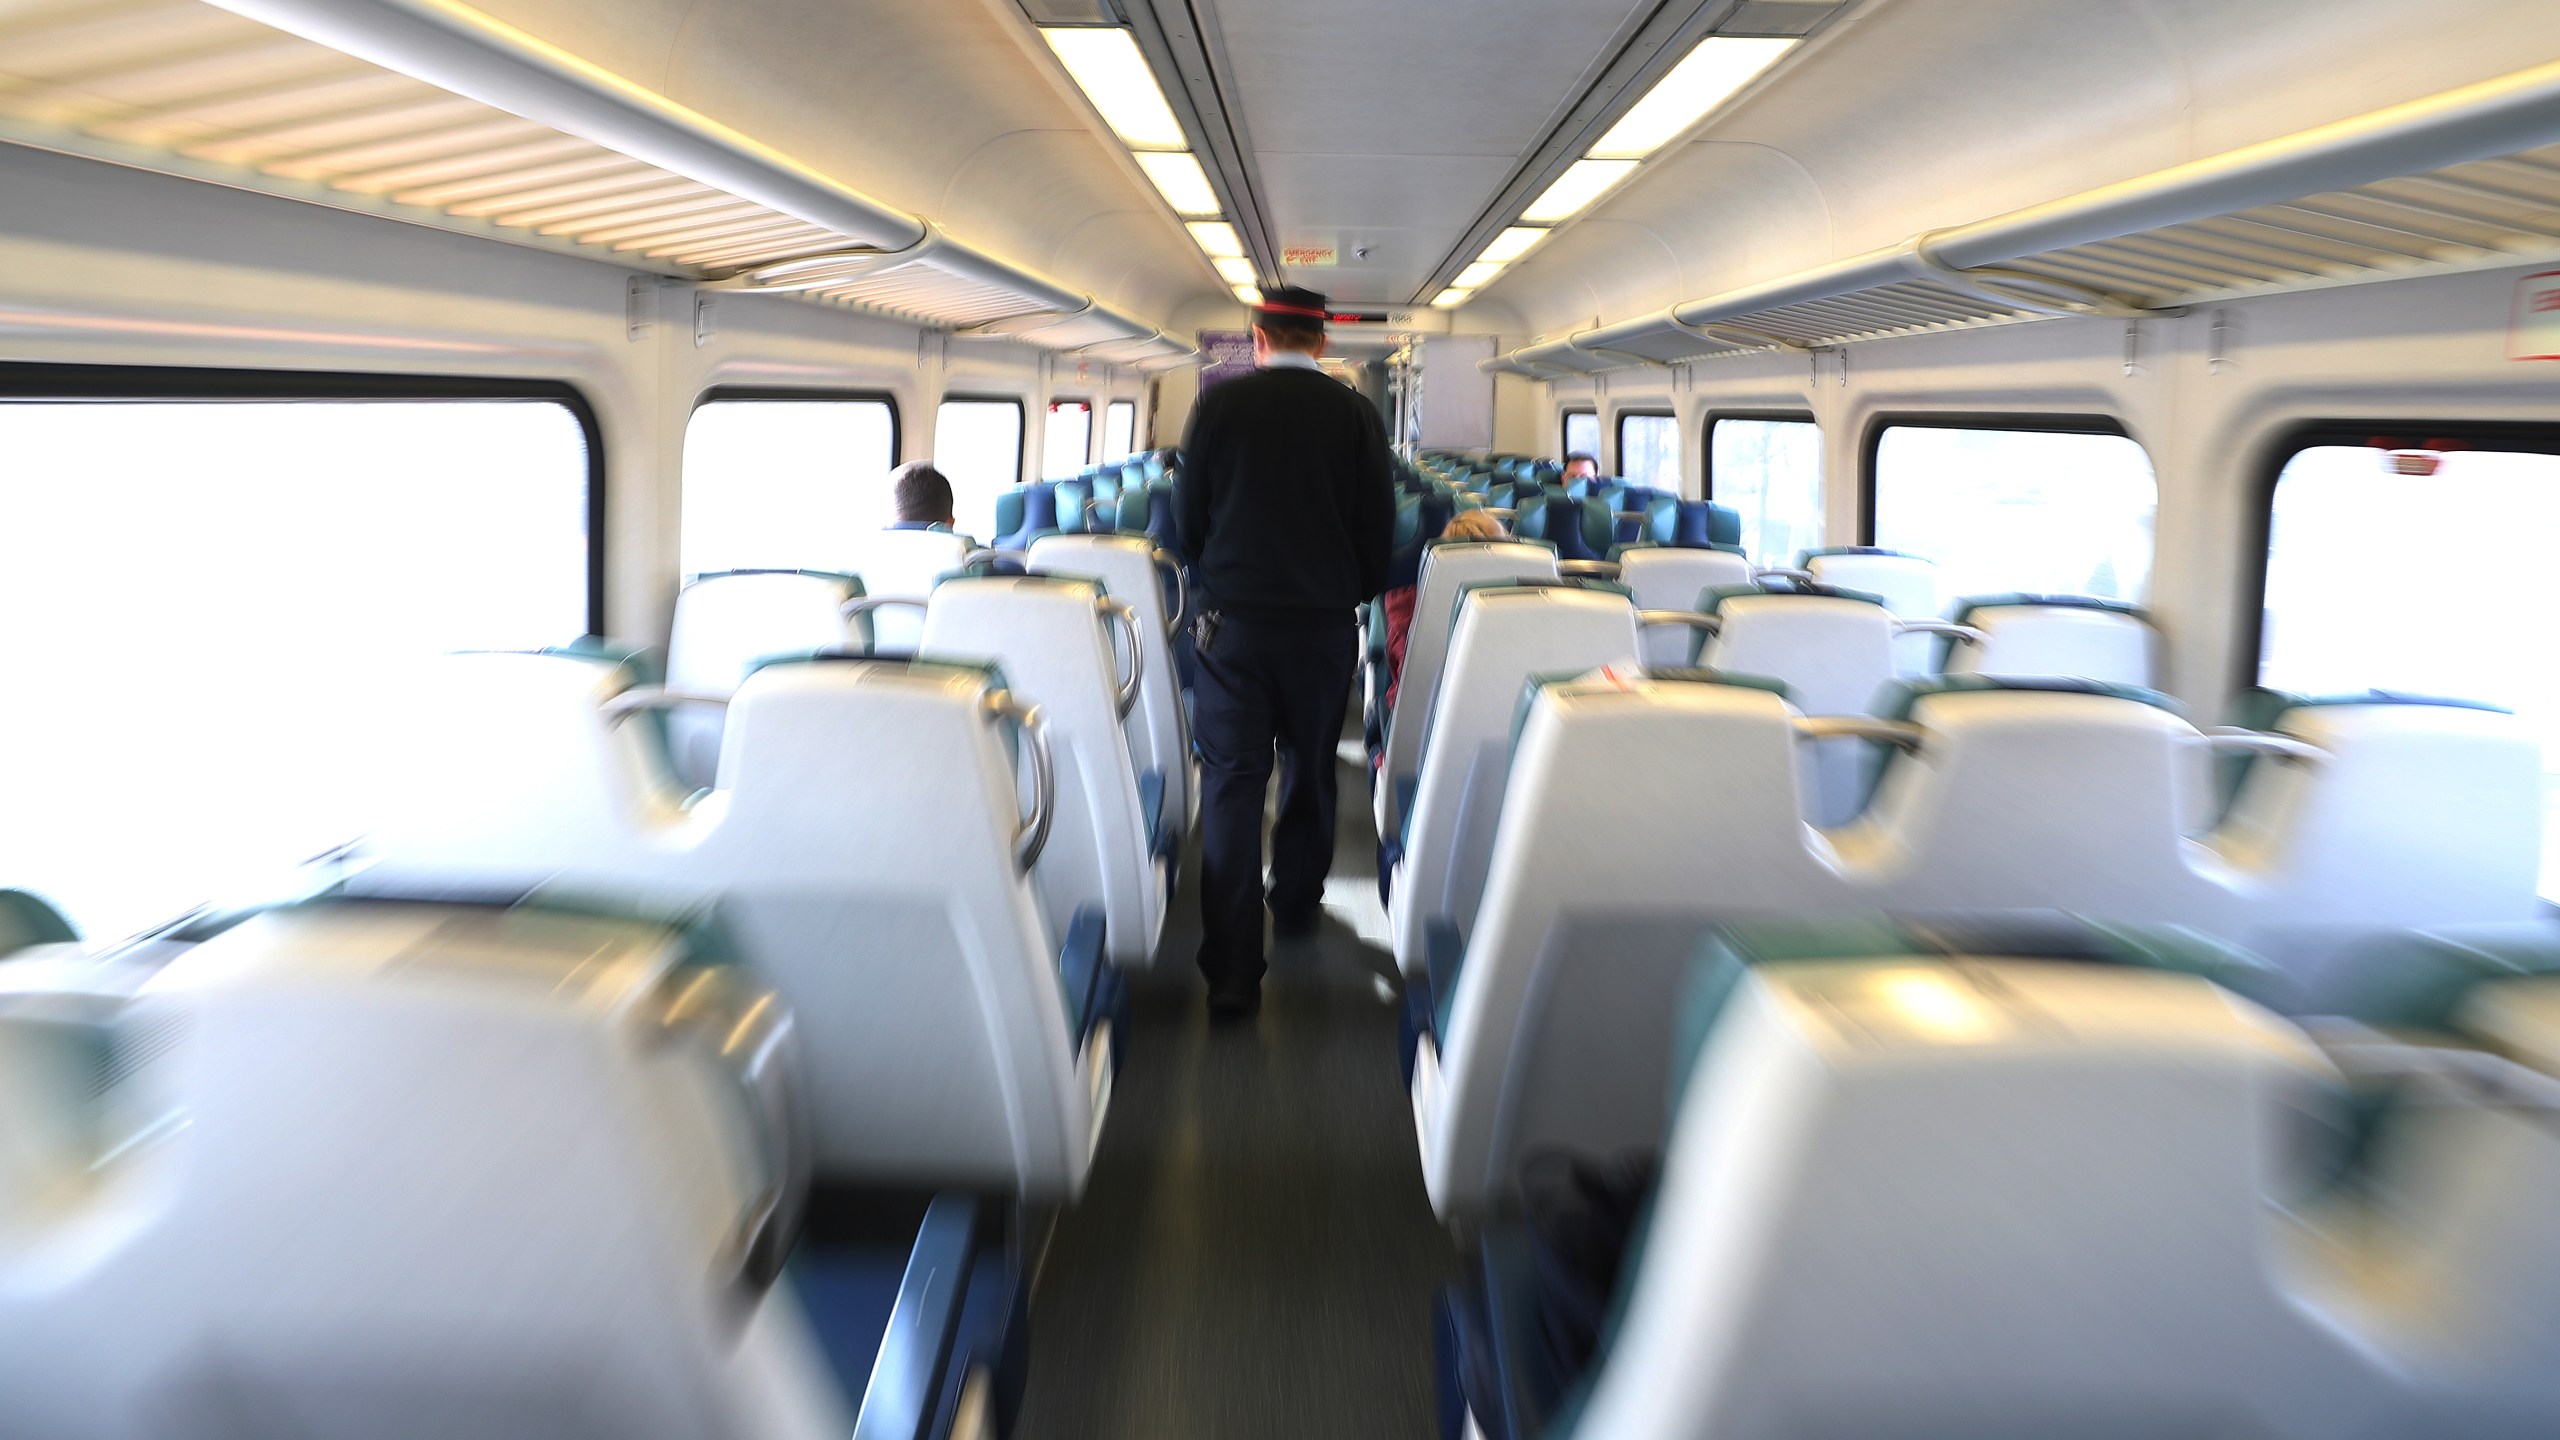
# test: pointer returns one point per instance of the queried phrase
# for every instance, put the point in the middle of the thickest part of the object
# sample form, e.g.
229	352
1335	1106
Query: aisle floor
1254	1255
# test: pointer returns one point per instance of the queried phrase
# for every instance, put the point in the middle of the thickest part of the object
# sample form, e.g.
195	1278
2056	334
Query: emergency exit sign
1307	257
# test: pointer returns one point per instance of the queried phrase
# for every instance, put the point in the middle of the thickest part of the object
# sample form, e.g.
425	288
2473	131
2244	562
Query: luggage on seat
727	621
412	1169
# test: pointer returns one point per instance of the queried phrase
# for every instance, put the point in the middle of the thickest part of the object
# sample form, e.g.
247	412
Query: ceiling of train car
1389	127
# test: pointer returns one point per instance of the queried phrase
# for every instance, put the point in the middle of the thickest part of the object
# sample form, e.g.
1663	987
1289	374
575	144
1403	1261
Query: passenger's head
1580	466
1474	525
921	494
1288	319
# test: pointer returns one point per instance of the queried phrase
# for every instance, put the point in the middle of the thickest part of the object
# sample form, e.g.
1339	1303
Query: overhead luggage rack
435	114
2467	179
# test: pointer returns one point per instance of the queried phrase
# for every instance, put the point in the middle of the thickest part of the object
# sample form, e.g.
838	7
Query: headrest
1900	698
1807	557
1729	951
1965	608
1698	525
1610	677
26	920
1714	598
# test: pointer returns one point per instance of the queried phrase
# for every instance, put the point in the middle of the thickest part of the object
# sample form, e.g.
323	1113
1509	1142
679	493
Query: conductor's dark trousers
1263	687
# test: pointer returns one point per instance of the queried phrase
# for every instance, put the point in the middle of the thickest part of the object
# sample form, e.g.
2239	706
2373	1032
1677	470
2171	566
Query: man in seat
922	495
1286	506
1580	466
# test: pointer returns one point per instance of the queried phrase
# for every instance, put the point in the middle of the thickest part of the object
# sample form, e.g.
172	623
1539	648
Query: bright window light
1234	269
1511	244
1179	178
1478	275
1115	77
1721	65
1249	294
1451	298
1582	182
1217	237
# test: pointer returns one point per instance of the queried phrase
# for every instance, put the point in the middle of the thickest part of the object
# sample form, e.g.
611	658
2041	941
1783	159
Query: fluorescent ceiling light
1719	66
1179	178
1249	294
1511	244
1235	269
1477	276
1451	298
1217	237
1582	182
1115	77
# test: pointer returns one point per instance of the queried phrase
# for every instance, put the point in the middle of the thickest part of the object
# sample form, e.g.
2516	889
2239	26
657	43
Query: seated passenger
1580	466
922	495
1465	525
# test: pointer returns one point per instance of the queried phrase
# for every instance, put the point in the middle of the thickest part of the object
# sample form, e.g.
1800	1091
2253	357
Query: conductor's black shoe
1295	924
1234	999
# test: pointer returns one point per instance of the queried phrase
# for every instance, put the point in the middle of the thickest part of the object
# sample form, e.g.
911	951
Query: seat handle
1961	634
1033	835
1598	569
1710	624
2237	740
1181	590
1785	572
752	1031
1900	734
642	698
1125	615
861	605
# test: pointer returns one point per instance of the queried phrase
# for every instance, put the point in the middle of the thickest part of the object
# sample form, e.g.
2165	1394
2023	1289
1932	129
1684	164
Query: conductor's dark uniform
1286	503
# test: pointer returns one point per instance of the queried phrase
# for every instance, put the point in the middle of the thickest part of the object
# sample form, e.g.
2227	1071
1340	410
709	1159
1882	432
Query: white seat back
724	623
1908	585
1921	1199
1669	577
1055	643
861	845
1446	568
1834	654
442	1171
2029	640
1130	568
904	564
1503	638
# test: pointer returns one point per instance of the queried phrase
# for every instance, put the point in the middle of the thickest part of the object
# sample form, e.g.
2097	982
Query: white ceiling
1392	125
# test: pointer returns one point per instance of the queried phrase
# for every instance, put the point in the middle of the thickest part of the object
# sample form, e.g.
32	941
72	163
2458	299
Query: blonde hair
1474	525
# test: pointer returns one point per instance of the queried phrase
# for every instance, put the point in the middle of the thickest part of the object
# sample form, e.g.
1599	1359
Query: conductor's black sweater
1286	499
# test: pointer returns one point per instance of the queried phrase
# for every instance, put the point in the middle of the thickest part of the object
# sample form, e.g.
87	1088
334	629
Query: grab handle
1961	634
1710	624
1126	615
1181	589
1900	734
1033	836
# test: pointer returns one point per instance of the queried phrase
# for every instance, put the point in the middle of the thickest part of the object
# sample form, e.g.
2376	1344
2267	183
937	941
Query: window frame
1021	427
1092	428
46	380
1707	455
1564	426
1102	437
1617	433
2257	536
2057	423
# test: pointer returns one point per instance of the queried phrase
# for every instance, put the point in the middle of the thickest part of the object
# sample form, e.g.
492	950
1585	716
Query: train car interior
1900	873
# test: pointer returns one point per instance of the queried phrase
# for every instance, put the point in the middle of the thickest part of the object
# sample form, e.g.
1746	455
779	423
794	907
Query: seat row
1994	1177
1132	497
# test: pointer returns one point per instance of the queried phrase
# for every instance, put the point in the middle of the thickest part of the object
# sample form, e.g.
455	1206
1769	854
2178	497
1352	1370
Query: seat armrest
1080	968
1530	1389
916	1352
1408	787
1444	951
1161	837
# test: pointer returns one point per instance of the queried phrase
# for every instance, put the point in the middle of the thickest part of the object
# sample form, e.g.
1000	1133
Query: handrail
2238	740
1033	835
641	698
1126	616
1166	559
1961	634
1710	624
1900	734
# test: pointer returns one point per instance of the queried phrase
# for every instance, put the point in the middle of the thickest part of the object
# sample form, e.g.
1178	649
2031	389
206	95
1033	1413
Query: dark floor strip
1254	1255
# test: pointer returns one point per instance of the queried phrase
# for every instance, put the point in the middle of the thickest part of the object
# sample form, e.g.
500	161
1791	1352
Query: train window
1119	430
1649	449
214	602
1770	471
779	482
977	444
1999	507
1067	439
1582	432
2341	501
